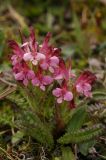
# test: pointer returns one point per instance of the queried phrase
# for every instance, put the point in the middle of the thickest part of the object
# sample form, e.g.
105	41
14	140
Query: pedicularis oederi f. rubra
41	65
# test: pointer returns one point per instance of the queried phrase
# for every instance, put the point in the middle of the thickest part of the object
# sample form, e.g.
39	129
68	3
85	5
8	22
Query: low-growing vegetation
52	80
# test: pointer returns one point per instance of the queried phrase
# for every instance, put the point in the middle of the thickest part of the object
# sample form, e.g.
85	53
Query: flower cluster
41	65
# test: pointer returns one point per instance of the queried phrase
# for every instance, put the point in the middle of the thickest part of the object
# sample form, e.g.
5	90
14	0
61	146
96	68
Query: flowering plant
55	112
41	65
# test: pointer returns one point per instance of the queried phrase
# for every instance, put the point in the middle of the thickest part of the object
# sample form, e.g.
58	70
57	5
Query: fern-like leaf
81	135
99	95
18	99
77	119
96	107
32	126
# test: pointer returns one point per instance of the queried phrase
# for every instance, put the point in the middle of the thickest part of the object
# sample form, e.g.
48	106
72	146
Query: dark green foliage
6	115
99	95
18	99
32	126
81	135
77	119
39	125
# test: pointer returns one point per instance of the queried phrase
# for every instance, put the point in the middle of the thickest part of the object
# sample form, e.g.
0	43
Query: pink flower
63	72
33	58
84	83
62	94
29	44
17	52
31	50
52	55
28	51
23	73
50	63
45	47
42	80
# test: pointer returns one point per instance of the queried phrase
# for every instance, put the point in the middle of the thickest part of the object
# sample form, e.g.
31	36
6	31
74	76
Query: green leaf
99	95
67	154
81	135
32	126
6	115
85	146
77	120
18	99
17	137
